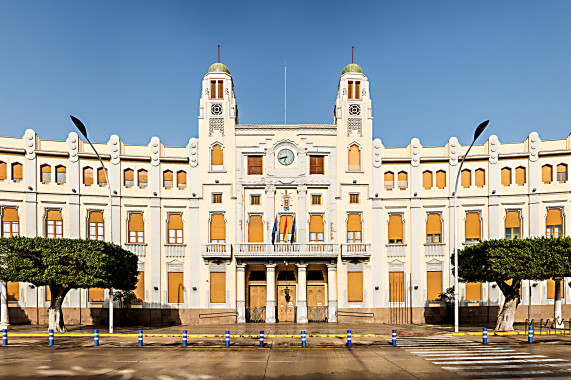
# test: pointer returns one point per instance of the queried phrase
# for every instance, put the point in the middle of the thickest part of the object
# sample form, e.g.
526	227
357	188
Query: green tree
65	264
508	262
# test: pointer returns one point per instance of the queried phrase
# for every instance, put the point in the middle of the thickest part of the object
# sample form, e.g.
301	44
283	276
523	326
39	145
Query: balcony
355	250
438	249
138	249
285	250
217	251
396	250
175	250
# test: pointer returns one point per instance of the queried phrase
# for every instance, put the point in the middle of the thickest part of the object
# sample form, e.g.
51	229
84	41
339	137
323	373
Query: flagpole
285	92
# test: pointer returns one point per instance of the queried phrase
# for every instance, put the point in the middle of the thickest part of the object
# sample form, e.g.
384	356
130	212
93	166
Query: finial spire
218	53
352	53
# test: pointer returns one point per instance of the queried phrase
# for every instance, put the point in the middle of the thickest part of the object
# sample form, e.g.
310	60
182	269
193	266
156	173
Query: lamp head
79	125
480	129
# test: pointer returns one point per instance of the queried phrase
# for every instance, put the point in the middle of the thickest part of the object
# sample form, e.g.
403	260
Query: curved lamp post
479	129
81	128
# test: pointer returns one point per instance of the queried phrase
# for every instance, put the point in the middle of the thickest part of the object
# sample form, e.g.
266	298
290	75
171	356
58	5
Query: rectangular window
17	175
255	200
355	286
143	179
561	173
255	229
60	175
54	224
473	291
175	285
284	228
136	228
10	222
551	289
95	223
3	171
101	180
129	175
546	174
217	287
473	227
396	286
174	227
433	285
316	165
140	289
13	290
316	199
181	180
353	198
87	176
217	228
354	228
96	295
353	89
316	229
255	165
520	176
433	229
350	91
168	180
395	229
554	223
217	198
513	225
216	89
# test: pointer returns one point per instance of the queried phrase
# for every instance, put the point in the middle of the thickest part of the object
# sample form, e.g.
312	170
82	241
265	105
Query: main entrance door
316	310
257	311
286	303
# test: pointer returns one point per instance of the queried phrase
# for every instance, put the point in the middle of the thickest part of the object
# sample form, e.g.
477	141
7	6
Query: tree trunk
506	318
55	313
557	321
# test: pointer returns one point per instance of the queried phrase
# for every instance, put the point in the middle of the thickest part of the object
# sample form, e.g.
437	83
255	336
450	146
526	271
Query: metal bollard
530	335
50	337
4	337
227	338
140	338
485	336
303	342
184	338
349	338
394	337
261	339
95	338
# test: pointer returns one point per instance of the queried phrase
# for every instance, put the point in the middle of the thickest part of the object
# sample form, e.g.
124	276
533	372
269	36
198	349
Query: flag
274	230
285	231
293	231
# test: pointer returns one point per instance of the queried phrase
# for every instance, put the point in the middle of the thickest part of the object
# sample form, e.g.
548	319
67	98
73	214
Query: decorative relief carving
114	140
344	91
155	151
206	92
363	93
377	151
193	151
494	149
354	110
226	92
216	109
30	144
533	146
72	145
415	151
216	124
354	125
454	147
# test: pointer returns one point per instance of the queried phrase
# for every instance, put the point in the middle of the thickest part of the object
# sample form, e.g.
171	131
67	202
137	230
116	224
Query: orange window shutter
96	217
217	227
88	176
350	89
46	169
480	177
434	285
506	176
175	286
48	294
433	224
316	224
354	157
513	219
175	222
441	179
3	171
129	175
395	227
10	215
466	179
473	291
143	176
396	286
217	287
357	90
389	177
283	219
101	176
17	170
213	89
354	222
550	289
546	174
96	295
220	89
255	229
167	175
427	180
554	217
140	289
355	286
216	155
54	215
520	176
402	177
181	177
136	222
13	289
473	226
60	169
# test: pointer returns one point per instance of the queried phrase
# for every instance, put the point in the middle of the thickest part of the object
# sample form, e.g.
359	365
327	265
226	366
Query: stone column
301	293
271	217
4	319
271	293
332	286
301	224
241	292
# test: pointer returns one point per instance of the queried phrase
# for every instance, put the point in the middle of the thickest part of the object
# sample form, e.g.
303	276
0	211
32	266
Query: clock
285	157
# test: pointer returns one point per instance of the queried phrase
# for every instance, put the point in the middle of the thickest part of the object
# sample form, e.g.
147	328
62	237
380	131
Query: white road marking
492	357
268	361
545	365
500	373
430	356
498	361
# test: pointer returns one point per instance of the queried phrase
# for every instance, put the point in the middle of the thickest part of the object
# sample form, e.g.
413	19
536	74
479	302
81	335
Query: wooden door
257	303
316	302
286	304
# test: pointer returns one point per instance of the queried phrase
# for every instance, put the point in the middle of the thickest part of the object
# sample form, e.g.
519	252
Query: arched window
427	179
87	176
101	179
466	178
520	176
142	178
506	176
354	158
181	179
60	174
547	173
3	171
17	172
480	177
129	178
562	173
216	158
389	180
402	180
441	179
45	173
167	179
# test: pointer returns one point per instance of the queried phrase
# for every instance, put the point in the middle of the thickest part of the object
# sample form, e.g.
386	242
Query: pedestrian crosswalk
469	359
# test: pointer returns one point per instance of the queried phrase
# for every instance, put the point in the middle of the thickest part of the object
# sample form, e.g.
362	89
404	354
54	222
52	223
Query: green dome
352	68
218	68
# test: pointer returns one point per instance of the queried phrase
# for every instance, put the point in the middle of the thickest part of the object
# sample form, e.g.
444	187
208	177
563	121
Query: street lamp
79	125
479	129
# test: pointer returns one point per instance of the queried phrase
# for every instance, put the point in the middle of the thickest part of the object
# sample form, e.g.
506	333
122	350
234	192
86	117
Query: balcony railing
287	250
138	249
438	249
396	250
355	250
217	250
175	250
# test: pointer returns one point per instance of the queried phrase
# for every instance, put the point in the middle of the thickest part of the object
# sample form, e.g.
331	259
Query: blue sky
436	68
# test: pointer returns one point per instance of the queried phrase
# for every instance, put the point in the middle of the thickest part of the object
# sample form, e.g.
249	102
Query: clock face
285	157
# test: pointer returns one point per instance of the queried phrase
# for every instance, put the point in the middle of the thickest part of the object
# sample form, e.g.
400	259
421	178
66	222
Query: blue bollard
140	338
394	337
227	338
184	338
485	335
303	342
530	335
50	337
95	338
4	337
349	338
261	339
